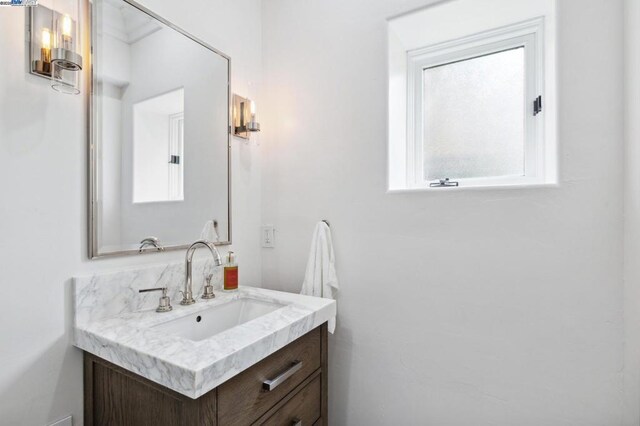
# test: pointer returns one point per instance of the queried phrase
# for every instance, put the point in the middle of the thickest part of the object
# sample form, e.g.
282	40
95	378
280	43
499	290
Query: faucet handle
208	289
164	304
187	298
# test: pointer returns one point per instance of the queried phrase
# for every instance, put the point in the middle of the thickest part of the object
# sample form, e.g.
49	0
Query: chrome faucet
187	294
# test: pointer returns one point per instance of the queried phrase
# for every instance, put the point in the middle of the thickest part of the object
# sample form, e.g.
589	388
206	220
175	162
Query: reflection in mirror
160	133
158	152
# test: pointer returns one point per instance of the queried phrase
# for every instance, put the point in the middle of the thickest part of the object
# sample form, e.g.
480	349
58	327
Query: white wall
43	238
632	214
493	307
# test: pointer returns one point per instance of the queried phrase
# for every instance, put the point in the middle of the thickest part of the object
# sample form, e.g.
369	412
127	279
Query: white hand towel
209	232
320	279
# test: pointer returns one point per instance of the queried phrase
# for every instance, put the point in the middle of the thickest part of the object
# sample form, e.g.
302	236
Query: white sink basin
204	324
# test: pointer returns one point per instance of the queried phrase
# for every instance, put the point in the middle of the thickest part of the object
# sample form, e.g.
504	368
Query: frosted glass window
474	117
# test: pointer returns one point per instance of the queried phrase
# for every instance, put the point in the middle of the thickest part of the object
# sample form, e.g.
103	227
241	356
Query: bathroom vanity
254	356
286	388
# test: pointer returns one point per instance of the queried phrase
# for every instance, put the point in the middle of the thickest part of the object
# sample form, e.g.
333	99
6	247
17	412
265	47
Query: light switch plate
67	421
268	236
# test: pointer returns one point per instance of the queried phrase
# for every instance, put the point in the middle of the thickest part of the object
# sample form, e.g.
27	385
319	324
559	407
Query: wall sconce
244	117
54	44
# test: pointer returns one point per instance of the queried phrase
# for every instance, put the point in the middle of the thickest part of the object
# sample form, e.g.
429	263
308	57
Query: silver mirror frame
92	152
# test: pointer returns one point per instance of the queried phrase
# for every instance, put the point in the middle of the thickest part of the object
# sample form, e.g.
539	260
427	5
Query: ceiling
127	23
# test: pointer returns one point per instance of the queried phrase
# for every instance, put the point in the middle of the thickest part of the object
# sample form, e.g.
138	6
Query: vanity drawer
243	399
301	410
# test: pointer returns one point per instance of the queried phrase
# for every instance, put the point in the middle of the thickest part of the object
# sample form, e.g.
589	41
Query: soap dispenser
231	273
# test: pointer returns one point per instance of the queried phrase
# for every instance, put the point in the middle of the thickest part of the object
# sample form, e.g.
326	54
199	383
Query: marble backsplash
104	295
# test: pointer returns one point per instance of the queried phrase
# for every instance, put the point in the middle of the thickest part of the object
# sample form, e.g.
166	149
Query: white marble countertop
193	368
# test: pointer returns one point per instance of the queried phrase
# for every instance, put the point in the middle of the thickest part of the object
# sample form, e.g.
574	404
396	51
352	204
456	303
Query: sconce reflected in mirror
244	117
54	44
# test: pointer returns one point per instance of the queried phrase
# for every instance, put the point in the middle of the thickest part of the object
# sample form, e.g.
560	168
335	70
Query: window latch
537	105
444	183
174	159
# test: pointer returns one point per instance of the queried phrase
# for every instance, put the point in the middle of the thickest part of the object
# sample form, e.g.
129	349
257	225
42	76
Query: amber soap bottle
231	273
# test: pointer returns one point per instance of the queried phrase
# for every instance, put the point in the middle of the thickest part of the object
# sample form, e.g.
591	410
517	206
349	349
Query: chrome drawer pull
269	385
296	422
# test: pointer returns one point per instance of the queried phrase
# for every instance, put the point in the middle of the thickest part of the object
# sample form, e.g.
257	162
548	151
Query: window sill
494	187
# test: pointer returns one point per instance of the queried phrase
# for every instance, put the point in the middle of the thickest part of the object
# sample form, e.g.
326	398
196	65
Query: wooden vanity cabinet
116	397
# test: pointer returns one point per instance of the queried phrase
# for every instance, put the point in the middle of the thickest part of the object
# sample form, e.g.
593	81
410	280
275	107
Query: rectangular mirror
160	119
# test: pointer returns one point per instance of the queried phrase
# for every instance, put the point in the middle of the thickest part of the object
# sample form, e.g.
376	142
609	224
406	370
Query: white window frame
530	36
176	147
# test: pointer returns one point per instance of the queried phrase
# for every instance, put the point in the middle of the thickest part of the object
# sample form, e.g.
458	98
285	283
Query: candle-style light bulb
45	51
66	26
46	38
66	32
253	125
